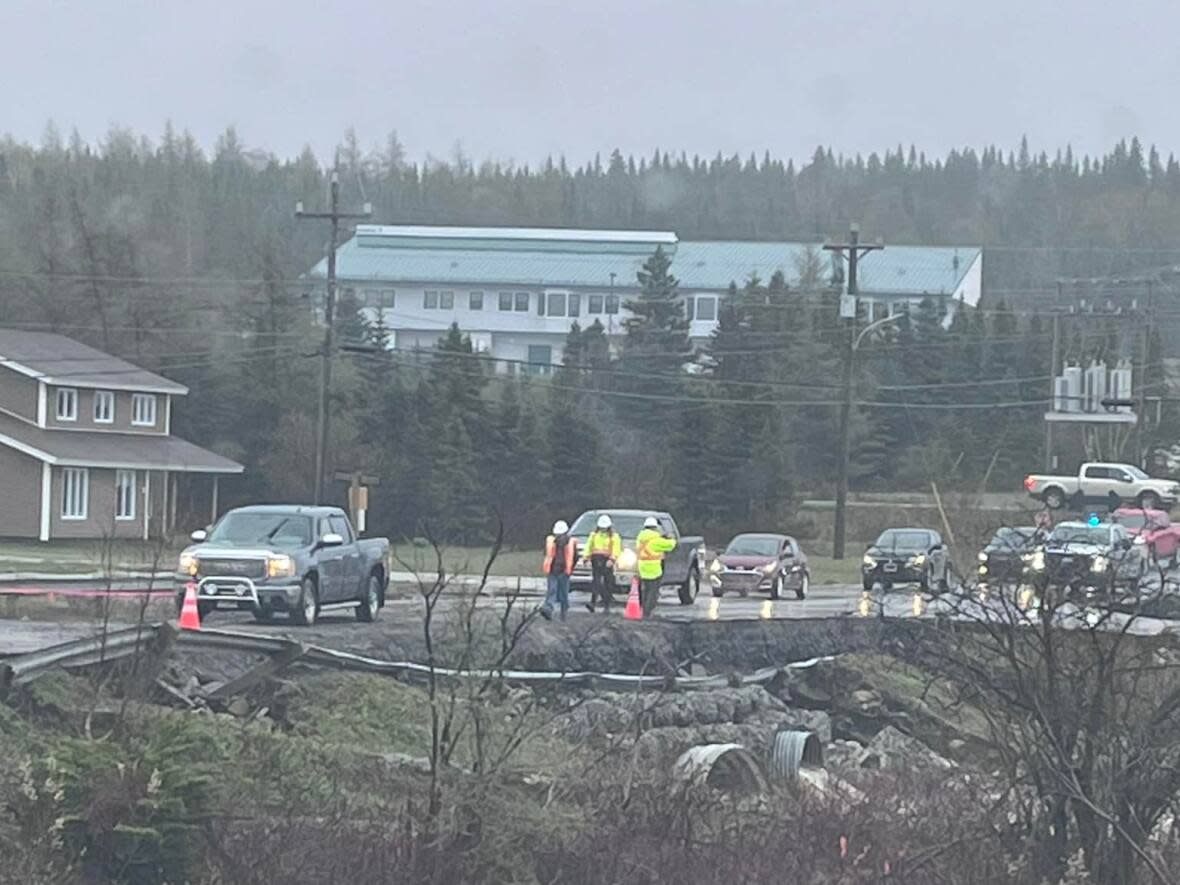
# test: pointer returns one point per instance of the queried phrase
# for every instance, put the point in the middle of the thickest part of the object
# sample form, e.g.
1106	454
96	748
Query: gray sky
520	79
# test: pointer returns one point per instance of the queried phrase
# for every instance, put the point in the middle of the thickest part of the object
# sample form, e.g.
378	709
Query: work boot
590	607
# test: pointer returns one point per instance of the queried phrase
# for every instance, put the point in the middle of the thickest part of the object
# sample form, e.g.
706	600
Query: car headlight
1038	561
1027	557
982	556
627	560
188	564
281	566
1099	564
1139	540
920	559
770	568
716	567
869	562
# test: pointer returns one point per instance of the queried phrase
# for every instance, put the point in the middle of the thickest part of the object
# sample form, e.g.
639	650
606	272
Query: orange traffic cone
190	616
633	611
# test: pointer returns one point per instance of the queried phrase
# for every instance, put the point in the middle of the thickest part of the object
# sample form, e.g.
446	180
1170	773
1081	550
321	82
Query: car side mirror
199	535
331	539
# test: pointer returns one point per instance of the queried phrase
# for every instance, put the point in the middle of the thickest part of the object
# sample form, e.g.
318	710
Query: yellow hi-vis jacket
603	543
650	547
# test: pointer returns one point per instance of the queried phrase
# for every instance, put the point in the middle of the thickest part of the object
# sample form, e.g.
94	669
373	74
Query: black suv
907	556
1079	555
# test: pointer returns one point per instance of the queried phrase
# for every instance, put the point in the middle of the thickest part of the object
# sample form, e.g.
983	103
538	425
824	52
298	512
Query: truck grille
1061	567
237	568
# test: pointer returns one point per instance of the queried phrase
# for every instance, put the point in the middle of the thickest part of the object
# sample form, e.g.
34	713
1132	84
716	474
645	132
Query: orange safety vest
551	551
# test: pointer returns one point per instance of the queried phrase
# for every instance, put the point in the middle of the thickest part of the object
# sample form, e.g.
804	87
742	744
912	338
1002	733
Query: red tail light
1029	483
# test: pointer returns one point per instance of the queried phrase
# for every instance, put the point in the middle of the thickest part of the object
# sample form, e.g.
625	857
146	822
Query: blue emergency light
1094	519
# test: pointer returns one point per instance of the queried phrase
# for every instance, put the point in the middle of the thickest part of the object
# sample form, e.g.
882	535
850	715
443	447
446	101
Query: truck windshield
628	525
279	529
895	539
1013	538
752	545
1080	534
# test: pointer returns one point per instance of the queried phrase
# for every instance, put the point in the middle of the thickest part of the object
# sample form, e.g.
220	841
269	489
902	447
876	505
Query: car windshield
1080	534
278	529
752	545
900	539
628	524
1133	520
1012	538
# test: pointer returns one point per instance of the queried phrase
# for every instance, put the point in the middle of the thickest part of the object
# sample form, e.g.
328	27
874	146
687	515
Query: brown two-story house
86	449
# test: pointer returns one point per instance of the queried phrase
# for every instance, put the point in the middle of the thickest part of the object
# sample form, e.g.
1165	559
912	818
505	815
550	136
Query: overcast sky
521	79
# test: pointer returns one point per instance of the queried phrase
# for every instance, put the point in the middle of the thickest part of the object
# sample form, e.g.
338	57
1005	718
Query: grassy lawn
825	570
70	557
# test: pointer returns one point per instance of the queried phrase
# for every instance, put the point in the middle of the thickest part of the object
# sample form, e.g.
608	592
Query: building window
430	300
612	303
706	307
575	304
67	404
540	359
379	298
124	494
594	304
446	300
104	407
505	301
475	301
143	410
521	304
690	308
556	304
75	492
388	298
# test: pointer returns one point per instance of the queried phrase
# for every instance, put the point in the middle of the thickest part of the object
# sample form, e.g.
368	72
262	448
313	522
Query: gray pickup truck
682	567
285	558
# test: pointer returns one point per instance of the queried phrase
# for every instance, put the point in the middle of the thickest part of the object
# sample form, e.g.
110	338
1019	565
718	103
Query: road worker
561	551
603	548
650	548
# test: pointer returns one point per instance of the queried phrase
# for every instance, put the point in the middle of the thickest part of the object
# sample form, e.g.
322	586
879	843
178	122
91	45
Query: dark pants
649	594
602	581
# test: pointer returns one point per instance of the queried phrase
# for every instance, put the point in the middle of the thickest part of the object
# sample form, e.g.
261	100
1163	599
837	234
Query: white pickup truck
1103	483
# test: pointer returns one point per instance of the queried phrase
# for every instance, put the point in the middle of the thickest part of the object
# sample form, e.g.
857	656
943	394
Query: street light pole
851	251
323	417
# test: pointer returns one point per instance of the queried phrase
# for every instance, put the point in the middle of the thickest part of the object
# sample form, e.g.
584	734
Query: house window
104	407
388	298
540	359
143	410
706	306
124	494
505	301
612	303
521	304
379	298
594	304
75	492
446	300
430	300
475	301
690	308
556	304
67	404
575	304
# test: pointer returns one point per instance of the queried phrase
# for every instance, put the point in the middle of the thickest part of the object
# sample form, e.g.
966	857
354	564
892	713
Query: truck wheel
804	586
307	608
691	587
366	612
1054	499
205	608
1149	501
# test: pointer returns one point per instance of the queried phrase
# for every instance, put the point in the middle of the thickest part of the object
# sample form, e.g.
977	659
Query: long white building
516	291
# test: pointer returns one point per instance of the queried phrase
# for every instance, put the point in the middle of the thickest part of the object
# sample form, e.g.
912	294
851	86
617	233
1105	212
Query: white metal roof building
516	291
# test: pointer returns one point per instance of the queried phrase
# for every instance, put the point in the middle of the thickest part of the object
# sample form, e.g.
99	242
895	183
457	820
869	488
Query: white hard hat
560	527
604	521
651	523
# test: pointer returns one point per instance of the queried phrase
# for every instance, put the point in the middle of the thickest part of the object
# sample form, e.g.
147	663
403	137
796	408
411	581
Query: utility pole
322	421
1055	355
1140	424
851	252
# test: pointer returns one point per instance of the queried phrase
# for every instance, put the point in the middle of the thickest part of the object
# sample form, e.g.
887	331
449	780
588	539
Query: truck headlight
770	568
1099	564
982	556
869	562
281	566
716	567
627	560
188	565
1027	557
1038	561
1139	540
918	560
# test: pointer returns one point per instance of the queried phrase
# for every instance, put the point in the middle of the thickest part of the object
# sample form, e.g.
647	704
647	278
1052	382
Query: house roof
57	359
130	451
509	256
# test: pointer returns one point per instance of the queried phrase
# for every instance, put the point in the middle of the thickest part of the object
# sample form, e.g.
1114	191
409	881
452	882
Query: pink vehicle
1156	529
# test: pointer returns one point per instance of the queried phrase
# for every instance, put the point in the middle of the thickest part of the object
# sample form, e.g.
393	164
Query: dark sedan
907	556
761	562
1007	555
